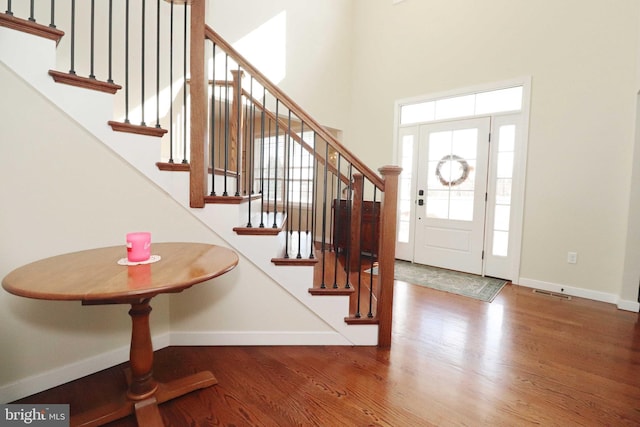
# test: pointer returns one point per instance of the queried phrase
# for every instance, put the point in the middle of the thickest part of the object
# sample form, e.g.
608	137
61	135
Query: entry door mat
465	284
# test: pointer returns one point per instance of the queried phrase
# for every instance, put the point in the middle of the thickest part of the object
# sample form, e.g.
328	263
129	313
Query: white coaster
151	260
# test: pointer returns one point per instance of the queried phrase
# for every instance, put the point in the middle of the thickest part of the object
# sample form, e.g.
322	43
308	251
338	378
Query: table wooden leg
141	354
144	394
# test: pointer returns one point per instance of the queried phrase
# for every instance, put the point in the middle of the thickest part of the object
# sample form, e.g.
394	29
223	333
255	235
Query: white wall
62	191
309	57
581	56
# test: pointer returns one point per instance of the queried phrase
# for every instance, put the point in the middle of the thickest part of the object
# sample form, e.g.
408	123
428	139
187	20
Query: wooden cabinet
370	228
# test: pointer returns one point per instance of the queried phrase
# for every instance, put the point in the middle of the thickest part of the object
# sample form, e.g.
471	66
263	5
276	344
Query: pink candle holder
138	246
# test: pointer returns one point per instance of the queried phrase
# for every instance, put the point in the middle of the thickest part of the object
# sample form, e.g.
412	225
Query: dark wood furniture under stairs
370	230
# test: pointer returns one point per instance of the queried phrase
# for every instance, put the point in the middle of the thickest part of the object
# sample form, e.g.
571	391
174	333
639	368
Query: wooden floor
524	359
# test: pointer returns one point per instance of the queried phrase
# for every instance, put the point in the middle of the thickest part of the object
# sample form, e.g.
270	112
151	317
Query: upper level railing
238	134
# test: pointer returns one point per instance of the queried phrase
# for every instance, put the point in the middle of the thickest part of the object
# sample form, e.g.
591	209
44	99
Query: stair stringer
137	150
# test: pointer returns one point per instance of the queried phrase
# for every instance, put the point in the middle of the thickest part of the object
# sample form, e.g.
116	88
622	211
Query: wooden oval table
95	277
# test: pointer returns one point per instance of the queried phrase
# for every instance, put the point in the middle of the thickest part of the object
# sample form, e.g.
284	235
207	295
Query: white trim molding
261	338
626	305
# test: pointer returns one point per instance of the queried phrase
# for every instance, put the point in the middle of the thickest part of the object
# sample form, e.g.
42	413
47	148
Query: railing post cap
390	170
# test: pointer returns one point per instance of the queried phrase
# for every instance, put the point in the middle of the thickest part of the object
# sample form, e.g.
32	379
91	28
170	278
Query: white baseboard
629	305
580	292
55	377
245	338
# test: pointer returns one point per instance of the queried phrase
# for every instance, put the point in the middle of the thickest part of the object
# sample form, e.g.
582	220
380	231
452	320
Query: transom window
475	104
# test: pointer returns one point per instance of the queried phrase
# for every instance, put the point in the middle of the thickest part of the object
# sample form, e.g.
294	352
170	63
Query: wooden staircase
292	254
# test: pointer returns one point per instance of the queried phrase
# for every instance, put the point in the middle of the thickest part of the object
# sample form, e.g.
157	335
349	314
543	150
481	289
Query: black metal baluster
251	141
374	254
220	127
73	36
262	118
314	198
126	63
158	64
110	53
246	146
286	197
347	284
171	84
226	123
269	146
238	130
9	11
32	11
337	213
92	40
142	61
52	24
184	89
212	131
357	313
332	246
275	168
299	254
323	237
245	140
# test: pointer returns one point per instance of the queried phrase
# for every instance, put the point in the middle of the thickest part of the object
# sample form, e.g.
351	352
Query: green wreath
453	158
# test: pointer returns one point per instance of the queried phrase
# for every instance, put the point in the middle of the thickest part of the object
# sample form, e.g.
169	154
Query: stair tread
294	261
137	129
84	82
29	27
227	200
265	223
297	251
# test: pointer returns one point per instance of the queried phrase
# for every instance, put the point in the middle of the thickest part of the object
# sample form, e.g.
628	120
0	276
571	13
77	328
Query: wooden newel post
387	253
198	164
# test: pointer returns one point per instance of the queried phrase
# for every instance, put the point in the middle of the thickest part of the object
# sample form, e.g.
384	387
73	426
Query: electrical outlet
572	257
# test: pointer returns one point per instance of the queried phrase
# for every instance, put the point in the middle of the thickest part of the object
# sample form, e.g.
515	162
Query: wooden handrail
291	105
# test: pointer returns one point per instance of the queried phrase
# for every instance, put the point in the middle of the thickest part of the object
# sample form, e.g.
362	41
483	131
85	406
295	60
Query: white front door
451	189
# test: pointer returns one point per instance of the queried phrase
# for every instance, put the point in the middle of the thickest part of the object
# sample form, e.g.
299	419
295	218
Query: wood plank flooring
524	359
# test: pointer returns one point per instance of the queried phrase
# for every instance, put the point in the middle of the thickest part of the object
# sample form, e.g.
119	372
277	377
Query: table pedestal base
144	394
146	410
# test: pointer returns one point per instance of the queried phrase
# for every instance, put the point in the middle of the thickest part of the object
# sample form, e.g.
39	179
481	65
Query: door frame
520	161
